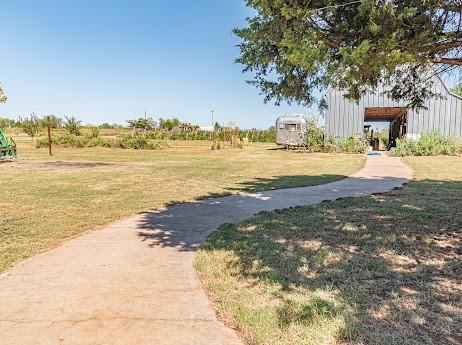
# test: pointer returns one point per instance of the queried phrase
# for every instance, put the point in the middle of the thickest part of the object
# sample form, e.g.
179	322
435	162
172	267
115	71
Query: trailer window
291	127
281	126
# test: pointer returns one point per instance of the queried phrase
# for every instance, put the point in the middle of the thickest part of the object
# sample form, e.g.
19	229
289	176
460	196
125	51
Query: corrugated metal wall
444	115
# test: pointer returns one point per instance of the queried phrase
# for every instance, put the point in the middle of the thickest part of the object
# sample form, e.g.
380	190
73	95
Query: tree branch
446	46
447	61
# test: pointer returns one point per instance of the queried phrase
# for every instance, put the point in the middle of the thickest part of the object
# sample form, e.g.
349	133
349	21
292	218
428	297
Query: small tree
142	123
168	124
31	126
55	121
72	125
216	127
94	131
6	122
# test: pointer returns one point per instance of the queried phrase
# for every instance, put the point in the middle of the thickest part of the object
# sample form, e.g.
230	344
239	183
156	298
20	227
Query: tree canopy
296	48
31	126
169	123
142	123
2	95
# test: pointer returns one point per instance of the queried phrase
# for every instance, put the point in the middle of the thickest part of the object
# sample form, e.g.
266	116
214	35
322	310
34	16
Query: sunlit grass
47	200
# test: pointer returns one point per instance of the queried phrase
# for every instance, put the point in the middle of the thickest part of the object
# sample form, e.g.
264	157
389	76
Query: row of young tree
163	129
34	124
149	123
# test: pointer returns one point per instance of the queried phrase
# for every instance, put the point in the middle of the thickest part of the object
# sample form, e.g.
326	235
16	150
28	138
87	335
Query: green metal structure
7	147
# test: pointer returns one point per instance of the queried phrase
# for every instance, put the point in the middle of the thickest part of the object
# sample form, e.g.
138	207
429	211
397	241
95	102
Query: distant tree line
148	123
163	129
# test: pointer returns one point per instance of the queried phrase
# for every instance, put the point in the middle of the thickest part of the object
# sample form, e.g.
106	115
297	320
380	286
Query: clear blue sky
108	61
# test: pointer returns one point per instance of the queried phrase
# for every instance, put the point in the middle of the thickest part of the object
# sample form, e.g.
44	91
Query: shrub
94	132
429	144
356	143
130	141
222	135
70	140
314	137
332	148
116	143
433	144
139	141
384	137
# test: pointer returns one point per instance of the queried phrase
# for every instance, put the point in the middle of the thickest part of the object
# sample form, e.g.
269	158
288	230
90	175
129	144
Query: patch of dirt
32	165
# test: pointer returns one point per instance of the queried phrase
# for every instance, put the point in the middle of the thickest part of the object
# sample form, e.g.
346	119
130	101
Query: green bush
70	140
140	141
254	135
331	148
129	141
384	137
429	144
354	144
94	132
314	137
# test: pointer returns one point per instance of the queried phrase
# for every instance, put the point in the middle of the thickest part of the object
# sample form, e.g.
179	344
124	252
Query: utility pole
213	124
145	120
49	135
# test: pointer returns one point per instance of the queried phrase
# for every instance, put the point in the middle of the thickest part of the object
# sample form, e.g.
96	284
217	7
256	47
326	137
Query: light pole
213	125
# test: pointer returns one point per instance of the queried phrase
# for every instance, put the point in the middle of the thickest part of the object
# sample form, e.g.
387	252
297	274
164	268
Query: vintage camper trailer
290	130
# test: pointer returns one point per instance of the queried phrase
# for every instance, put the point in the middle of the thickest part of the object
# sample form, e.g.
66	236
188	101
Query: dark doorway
395	117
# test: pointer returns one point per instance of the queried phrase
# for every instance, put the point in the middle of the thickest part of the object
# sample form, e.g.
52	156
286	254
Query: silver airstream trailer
290	130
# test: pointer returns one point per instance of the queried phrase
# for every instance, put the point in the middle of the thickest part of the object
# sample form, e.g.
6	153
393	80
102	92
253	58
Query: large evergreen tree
295	47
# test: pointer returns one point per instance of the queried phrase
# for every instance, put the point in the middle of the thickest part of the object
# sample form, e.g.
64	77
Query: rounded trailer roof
295	119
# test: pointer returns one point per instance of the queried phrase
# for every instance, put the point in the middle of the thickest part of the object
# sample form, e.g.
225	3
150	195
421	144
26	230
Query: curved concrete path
133	282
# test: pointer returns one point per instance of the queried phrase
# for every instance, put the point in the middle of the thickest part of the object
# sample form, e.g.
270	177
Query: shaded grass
384	269
47	200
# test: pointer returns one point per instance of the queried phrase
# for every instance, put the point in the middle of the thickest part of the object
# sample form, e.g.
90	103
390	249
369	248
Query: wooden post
49	136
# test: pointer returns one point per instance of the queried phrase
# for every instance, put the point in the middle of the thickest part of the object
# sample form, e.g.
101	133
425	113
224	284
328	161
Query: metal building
443	114
290	130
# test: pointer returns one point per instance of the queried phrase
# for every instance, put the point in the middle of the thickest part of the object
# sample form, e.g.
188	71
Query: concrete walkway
133	282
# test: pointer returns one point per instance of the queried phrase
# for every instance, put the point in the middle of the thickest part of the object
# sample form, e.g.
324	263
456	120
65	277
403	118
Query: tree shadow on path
185	225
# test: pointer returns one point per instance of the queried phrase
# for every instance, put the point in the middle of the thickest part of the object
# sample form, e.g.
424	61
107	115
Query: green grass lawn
384	269
47	200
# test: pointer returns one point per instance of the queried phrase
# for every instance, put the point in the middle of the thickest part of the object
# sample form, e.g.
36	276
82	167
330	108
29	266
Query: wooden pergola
384	114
